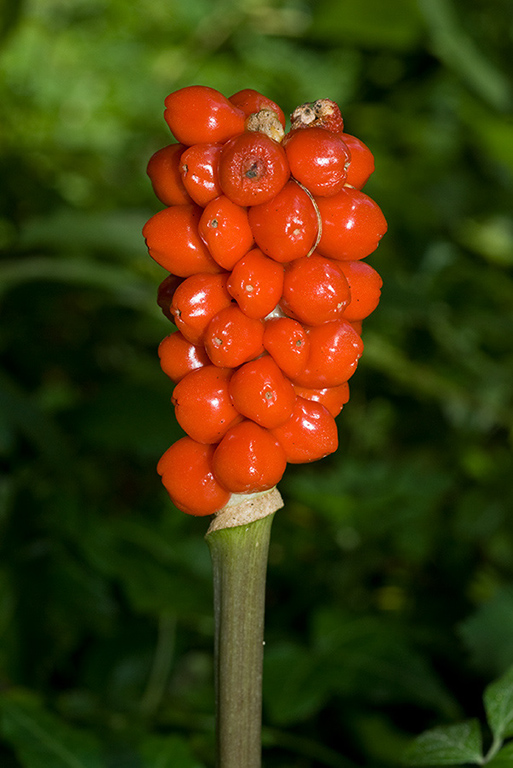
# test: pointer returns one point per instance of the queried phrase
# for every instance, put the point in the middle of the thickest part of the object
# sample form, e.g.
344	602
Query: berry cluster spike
263	236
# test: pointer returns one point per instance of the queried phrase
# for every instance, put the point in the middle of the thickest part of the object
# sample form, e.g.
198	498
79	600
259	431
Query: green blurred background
390	586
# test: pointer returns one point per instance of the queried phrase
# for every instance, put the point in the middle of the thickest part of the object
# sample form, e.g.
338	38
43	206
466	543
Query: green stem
239	559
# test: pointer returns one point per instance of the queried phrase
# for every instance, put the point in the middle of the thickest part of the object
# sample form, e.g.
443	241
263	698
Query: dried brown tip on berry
266	121
325	109
302	116
323	113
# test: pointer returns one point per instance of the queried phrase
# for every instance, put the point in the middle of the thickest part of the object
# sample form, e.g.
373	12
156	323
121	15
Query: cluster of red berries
263	236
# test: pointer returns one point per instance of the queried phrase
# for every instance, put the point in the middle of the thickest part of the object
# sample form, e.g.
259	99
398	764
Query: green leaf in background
447	745
167	752
460	52
10	11
119	283
149	569
498	701
132	417
394	25
294	683
114	232
369	655
41	740
21	413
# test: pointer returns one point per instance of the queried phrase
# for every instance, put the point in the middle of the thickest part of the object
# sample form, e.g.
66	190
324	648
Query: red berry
224	227
253	168
356	325
203	407
248	459
335	349
198	114
352	225
260	391
178	357
318	159
365	285
233	338
286	227
199	170
333	398
314	290
287	343
173	241
309	434
164	172
256	283
361	166
196	301
186	470
250	101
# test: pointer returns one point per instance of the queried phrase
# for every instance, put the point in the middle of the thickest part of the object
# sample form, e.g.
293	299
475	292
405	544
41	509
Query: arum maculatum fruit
263	235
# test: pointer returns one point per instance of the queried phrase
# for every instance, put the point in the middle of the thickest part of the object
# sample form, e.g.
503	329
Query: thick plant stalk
239	542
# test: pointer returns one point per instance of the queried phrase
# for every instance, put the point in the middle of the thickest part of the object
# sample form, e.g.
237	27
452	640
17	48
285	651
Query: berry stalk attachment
263	235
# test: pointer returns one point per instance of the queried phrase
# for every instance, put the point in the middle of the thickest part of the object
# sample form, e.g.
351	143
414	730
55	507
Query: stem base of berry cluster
244	509
239	554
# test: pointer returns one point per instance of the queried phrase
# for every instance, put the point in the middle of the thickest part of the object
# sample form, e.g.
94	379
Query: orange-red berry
309	434
334	351
256	283
233	338
199	171
195	302
178	357
286	227
173	241
198	114
186	471
318	159
361	166
251	101
164	172
333	398
203	406
365	286
287	342
260	391
352	225
253	168
224	228
249	459
315	290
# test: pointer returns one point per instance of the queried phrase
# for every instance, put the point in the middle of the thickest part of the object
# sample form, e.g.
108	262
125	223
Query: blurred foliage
462	743
390	588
